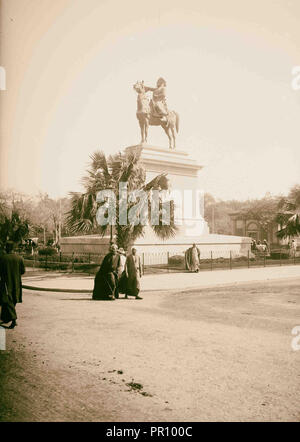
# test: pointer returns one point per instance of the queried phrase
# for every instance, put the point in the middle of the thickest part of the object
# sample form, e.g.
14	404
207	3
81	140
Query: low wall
157	252
94	244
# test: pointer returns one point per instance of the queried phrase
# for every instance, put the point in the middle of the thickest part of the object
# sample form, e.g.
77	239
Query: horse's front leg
174	137
142	131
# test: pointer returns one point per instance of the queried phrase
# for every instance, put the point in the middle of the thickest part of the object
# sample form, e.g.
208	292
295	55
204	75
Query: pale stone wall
217	245
156	251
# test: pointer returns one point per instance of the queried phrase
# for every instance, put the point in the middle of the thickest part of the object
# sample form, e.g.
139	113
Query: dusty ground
210	354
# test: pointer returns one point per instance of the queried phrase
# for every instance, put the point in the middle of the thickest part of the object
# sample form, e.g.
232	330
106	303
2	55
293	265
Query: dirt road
212	354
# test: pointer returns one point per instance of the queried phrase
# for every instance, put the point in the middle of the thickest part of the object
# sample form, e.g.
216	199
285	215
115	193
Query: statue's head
161	82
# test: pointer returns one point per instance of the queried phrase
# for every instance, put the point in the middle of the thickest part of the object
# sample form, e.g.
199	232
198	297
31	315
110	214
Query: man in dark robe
133	270
106	280
192	259
11	269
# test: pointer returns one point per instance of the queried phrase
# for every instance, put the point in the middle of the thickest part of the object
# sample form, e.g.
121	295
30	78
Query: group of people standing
260	246
118	273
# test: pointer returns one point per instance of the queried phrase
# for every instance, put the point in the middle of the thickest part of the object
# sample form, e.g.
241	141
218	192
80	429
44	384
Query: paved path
167	281
216	354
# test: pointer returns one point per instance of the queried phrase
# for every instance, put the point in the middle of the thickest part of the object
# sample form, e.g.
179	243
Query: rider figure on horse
158	103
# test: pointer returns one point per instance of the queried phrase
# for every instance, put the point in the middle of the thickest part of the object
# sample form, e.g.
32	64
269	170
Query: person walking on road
106	280
192	259
133	269
11	269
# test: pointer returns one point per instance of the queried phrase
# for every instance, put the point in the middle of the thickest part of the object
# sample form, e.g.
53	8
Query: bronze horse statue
146	116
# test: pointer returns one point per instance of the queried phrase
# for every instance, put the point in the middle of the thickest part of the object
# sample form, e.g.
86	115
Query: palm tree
289	214
106	173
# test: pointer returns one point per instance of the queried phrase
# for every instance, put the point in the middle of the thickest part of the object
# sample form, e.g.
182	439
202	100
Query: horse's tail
177	121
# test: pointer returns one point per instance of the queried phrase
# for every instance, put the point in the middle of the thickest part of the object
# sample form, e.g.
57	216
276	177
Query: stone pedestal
184	178
182	172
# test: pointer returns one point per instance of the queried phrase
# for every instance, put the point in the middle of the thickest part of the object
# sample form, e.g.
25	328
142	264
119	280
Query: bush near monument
50	251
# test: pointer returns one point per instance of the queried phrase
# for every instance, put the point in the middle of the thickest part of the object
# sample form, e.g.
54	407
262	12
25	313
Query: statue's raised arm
147	89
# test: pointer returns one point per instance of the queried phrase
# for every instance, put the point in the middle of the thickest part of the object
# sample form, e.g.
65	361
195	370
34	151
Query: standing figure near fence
192	259
261	249
11	269
122	283
293	247
106	280
267	250
133	270
253	245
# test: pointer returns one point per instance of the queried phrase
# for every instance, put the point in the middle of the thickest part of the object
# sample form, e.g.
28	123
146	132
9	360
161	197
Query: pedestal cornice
158	159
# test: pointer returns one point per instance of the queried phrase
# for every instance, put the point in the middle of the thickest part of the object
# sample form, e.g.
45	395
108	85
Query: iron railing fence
65	262
161	262
213	260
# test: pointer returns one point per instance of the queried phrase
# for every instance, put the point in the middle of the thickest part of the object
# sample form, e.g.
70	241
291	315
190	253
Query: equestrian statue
155	112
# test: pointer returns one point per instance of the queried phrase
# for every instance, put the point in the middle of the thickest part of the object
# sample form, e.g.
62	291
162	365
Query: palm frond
165	232
291	228
160	181
99	163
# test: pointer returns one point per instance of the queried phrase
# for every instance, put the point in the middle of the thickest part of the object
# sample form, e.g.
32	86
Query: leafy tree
50	216
288	215
107	173
13	228
45	216
263	211
217	213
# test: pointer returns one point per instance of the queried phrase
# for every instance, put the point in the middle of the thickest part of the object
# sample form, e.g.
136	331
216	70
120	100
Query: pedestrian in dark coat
106	280
11	269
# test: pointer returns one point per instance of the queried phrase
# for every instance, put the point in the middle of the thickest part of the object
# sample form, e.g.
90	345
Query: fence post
46	267
211	260
294	256
230	261
168	257
72	262
89	264
280	256
143	263
264	258
248	259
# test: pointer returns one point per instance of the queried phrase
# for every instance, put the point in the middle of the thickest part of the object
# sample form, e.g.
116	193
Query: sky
70	66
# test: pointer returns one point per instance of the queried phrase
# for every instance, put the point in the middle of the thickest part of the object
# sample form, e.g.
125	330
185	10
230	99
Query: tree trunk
59	233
